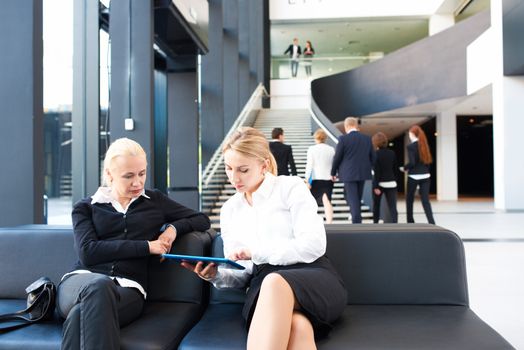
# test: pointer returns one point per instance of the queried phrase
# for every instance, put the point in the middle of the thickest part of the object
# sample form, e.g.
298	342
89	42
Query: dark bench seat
407	289
176	297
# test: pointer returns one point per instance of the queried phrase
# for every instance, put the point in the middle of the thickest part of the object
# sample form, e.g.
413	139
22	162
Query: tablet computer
206	259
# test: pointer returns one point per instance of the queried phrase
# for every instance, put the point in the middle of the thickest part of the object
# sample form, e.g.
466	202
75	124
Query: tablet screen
206	259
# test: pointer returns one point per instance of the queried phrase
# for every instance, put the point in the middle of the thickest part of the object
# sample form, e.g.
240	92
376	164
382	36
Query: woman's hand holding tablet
194	259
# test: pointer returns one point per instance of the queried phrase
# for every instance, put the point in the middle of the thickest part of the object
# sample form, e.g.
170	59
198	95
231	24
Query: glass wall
58	95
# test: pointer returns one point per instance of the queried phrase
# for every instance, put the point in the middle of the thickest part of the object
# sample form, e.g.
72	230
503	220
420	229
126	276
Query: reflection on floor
494	244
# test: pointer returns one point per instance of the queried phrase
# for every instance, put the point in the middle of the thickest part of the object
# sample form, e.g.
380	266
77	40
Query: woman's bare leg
271	324
328	209
302	336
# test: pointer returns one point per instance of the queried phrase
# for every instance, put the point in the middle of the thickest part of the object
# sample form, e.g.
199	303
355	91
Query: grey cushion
399	264
419	327
407	289
176	297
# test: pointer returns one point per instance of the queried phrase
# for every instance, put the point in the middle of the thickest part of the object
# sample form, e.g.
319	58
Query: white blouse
319	161
282	227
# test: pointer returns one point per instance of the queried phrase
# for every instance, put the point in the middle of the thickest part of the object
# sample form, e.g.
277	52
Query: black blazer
354	157
115	244
290	50
385	167
283	155
415	165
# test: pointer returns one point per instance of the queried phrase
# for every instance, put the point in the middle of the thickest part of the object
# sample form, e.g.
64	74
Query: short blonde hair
320	135
251	143
120	147
350	122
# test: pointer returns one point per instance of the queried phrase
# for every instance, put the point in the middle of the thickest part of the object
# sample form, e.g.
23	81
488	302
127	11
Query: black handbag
41	296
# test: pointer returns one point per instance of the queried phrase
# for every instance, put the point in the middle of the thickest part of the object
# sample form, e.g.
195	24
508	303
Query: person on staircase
283	153
353	161
318	167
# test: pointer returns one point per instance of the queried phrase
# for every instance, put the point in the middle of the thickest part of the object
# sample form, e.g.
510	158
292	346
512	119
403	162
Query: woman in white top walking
271	226
318	172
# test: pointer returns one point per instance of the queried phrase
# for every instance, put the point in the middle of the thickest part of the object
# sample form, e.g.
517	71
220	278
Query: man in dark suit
294	52
353	161
283	153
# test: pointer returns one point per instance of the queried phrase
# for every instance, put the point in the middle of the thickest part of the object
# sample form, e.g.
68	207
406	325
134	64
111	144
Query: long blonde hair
120	147
251	143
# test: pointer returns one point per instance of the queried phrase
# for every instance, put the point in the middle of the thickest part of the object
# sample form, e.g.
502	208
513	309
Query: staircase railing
244	118
323	122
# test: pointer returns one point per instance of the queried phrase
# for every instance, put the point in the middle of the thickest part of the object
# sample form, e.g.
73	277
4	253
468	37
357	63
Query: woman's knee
300	325
274	283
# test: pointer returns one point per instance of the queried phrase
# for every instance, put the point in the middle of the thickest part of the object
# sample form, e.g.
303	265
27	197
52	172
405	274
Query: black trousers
391	198
353	192
424	197
95	307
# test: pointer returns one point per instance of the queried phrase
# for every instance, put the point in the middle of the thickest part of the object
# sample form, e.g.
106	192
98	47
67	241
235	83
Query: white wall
322	9
290	93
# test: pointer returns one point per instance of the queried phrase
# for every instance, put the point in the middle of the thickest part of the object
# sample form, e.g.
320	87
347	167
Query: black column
264	64
183	138
212	108
230	52
21	106
254	43
131	31
86	100
243	52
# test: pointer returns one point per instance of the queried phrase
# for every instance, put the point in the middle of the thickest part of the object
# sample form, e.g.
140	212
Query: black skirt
319	187
318	289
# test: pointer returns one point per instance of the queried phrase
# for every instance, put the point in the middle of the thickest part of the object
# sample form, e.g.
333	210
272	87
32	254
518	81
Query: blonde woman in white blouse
271	226
318	170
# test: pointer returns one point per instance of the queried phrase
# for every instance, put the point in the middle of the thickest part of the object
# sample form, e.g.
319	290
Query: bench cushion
412	327
176	297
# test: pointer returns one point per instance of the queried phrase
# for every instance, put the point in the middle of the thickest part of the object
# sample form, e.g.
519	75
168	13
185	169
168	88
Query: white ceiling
359	37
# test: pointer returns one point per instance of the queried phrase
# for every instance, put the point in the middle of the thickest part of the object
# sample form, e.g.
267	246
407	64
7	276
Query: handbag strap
24	316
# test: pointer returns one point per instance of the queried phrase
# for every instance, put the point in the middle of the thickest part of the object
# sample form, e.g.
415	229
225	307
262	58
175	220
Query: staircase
298	134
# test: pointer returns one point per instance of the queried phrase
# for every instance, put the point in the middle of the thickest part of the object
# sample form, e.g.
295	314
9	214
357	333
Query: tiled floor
494	245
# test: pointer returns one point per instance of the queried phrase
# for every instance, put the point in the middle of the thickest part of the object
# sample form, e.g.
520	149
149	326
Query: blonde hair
120	147
251	143
320	135
350	122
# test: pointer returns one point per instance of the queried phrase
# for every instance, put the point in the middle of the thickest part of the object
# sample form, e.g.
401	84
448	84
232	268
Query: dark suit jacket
415	165
385	168
283	155
354	157
290	50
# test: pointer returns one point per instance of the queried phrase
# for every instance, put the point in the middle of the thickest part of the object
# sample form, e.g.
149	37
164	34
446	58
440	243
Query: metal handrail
320	118
215	160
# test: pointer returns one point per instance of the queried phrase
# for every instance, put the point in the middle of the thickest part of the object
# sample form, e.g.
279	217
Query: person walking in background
318	167
294	51
419	160
353	161
384	179
294	295
283	153
308	54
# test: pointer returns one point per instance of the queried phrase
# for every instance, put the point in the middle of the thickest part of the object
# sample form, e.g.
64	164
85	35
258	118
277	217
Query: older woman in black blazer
116	232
